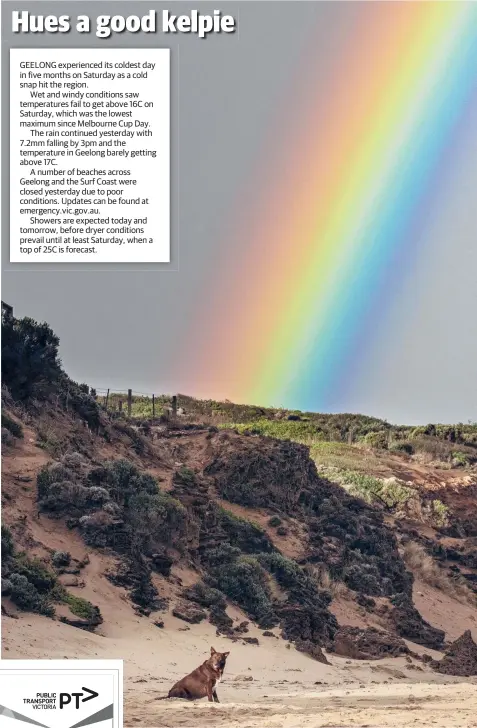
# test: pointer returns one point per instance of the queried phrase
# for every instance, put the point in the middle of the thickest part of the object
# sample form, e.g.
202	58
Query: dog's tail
163	697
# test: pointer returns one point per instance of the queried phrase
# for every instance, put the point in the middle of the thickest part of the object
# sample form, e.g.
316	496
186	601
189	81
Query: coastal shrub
300	586
222	554
245	581
80	607
440	513
30	364
389	492
365	578
185	476
244	534
377	439
97	529
36	572
460	459
404	446
7	542
123	480
12	426
32	370
205	595
61	558
27	581
26	597
157	518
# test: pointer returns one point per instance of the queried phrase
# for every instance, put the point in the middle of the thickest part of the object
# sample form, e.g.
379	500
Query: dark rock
89	625
61	558
219	617
345	533
367	644
159	623
267	633
189	613
411	626
307	624
7	437
135	574
460	658
366	602
312	650
161	564
250	640
242	628
70	580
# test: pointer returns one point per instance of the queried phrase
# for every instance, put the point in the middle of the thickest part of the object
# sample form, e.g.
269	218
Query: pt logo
66	698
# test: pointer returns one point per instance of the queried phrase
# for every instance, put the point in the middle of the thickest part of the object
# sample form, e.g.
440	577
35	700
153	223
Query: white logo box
61	693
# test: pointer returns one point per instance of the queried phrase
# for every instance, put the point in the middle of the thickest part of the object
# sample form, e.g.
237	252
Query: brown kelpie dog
202	681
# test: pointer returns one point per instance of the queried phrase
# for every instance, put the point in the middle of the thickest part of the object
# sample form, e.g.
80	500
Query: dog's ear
226	654
212	651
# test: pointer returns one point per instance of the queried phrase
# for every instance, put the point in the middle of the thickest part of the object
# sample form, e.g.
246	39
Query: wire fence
147	405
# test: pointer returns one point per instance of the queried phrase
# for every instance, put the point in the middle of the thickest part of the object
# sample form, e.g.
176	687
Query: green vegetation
355	443
292	577
205	595
245	581
440	513
319	430
185	476
460	458
114	505
79	607
242	533
390	492
24	595
12	426
7	542
404	446
34	587
32	371
49	441
303	431
141	405
379	440
36	572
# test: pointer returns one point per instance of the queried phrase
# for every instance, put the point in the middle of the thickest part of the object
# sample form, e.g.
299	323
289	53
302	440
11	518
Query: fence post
153	407
106	402
174	405
120	405
129	402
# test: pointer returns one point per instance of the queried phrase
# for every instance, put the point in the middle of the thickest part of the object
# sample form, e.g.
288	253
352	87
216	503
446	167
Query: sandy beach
265	686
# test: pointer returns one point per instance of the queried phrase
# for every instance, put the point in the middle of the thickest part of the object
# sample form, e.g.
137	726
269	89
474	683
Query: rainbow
337	225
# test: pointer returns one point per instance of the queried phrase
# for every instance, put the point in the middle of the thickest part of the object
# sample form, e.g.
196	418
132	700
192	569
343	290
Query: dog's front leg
214	693
210	692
